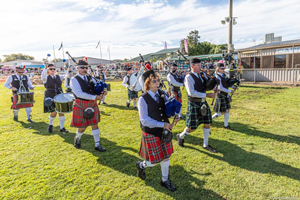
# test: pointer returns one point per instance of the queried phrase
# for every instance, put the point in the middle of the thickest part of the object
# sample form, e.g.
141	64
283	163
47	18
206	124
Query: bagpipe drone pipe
100	86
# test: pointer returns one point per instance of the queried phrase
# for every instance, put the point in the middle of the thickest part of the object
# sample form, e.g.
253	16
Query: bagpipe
173	108
100	86
140	73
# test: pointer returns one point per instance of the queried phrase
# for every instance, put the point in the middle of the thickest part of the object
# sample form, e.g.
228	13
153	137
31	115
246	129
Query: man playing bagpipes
198	111
68	80
222	105
14	82
174	83
156	143
142	78
85	110
129	80
52	82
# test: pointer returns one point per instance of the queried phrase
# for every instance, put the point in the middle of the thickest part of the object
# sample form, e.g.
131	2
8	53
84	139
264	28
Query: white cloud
32	27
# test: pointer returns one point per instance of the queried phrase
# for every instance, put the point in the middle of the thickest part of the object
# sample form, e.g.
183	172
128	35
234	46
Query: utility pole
230	27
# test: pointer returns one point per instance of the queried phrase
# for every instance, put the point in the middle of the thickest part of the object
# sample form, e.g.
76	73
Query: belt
202	100
223	93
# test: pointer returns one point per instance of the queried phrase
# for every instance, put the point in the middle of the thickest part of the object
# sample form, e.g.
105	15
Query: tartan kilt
193	116
77	117
222	104
132	95
153	149
16	106
177	98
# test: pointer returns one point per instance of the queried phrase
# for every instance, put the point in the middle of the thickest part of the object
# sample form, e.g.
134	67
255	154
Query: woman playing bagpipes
154	121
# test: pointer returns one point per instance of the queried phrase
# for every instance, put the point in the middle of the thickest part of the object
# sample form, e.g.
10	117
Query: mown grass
259	160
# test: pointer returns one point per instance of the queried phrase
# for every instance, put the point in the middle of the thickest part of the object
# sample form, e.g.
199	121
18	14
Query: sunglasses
21	72
52	69
154	81
83	67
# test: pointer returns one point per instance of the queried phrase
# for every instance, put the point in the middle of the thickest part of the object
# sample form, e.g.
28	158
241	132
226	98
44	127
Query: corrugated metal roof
271	44
22	62
149	55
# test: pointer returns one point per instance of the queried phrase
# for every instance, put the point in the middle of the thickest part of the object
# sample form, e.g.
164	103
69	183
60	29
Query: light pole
231	21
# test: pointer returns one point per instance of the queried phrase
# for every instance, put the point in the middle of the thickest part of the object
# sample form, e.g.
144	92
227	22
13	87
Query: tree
0	60
56	60
193	38
18	56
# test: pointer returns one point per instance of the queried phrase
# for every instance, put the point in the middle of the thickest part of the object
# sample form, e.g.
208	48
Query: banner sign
288	50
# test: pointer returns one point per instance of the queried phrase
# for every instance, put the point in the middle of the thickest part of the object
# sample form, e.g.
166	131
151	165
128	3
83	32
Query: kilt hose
153	149
132	95
77	118
193	116
222	104
15	105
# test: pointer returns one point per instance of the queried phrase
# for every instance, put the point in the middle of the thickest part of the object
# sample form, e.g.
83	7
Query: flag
61	45
186	46
98	44
165	45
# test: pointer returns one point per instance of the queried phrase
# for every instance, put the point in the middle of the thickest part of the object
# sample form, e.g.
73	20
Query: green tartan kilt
193	116
222	104
132	95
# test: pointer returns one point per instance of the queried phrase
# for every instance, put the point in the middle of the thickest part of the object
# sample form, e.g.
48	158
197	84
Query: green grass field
259	160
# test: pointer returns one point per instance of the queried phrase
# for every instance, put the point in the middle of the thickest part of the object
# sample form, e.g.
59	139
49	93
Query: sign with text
288	50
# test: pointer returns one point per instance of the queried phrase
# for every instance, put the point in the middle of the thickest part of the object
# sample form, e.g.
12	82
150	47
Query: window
280	61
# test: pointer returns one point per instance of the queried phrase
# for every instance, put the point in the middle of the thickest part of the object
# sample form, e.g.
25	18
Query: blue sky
138	26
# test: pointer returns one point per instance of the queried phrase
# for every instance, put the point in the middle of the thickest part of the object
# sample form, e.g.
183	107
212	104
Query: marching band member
86	100
222	105
52	82
69	75
153	120
102	77
195	88
132	95
13	83
141	79
174	83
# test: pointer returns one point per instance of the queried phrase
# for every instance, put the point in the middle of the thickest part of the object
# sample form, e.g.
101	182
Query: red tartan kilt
153	149
177	98
77	118
17	106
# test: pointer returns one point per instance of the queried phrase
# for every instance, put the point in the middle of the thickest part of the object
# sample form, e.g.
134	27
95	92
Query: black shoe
180	141
141	171
50	128
127	104
104	103
167	184
64	130
228	127
16	118
210	148
30	121
135	108
99	148
77	142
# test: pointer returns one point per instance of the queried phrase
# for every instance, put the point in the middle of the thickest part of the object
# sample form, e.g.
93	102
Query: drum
108	86
134	82
64	102
25	97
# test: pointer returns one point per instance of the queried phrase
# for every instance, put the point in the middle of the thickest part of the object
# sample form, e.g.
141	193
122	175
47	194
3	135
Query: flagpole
63	52
109	54
101	54
54	56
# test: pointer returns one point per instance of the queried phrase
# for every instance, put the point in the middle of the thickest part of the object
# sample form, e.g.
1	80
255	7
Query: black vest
198	86
175	89
128	76
53	86
223	81
155	111
87	87
16	82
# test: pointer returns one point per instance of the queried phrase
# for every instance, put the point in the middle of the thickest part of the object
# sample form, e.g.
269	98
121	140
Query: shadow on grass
117	158
253	131
264	87
120	107
236	156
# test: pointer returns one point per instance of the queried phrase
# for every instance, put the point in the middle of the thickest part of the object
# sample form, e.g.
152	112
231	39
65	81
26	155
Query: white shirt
221	86
172	80
189	84
9	81
75	86
143	112
124	83
141	82
44	76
